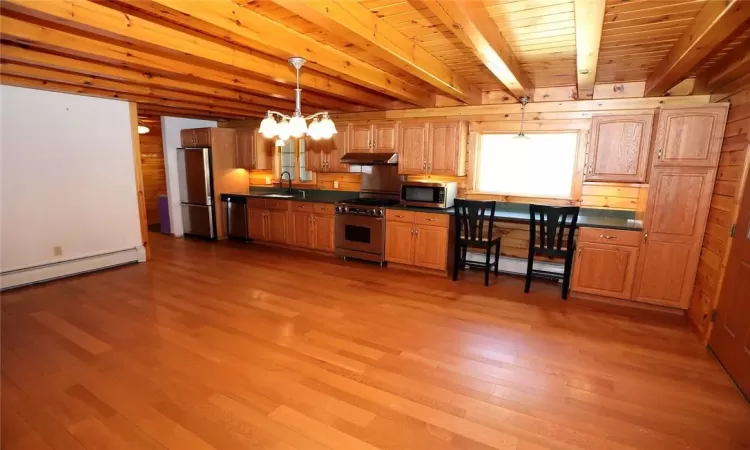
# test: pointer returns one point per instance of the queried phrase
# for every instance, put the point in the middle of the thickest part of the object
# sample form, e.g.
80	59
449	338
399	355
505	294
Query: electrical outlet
268	180
335	184
57	250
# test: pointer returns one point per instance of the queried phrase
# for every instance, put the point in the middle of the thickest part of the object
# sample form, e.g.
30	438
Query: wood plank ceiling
226	59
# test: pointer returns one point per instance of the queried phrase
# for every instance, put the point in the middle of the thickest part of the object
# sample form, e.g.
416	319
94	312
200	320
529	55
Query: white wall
67	179
171	127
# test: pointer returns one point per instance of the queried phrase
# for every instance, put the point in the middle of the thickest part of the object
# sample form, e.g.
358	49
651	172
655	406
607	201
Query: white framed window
541	166
292	158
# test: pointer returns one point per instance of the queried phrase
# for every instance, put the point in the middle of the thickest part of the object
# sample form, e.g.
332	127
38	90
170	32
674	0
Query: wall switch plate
335	184
57	250
268	180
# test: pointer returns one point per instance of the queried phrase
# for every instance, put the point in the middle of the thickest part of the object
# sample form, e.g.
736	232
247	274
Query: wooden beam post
352	21
472	25
139	177
717	22
589	17
734	65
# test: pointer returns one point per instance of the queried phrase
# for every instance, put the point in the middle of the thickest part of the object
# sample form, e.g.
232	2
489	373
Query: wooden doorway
730	339
153	168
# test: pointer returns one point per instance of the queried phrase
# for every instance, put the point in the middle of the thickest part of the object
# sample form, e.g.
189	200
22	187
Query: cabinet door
431	247
246	148
412	158
277	226
445	149
689	137
338	148
360	138
323	232
315	154
385	136
256	224
264	151
196	137
302	229
604	269
618	148
676	214
399	242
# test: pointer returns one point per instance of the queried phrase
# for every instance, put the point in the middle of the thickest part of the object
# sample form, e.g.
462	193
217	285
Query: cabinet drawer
301	206
278	204
256	203
438	220
323	208
607	236
399	215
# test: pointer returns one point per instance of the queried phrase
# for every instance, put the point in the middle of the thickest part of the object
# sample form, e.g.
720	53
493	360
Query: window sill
556	201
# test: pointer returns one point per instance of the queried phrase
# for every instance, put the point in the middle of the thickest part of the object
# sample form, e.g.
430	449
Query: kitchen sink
277	195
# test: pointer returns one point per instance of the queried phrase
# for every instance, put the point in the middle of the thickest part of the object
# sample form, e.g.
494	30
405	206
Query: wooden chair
474	226
553	222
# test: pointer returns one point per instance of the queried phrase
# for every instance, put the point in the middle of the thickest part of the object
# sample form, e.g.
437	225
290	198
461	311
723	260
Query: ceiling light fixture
142	129
521	136
321	125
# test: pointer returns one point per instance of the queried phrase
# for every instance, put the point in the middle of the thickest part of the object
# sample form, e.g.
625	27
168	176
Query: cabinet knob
432	220
658	154
645	236
398	215
424	164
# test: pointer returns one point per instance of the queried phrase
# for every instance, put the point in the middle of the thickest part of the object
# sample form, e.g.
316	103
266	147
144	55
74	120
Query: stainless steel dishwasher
236	215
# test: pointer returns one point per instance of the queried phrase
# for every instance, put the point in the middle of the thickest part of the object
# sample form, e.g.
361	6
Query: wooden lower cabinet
604	269
302	229
256	220
307	225
323	232
409	241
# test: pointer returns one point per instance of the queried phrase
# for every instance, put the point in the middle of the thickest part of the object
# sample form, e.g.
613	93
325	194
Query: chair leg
566	275
463	258
497	257
529	268
456	260
487	266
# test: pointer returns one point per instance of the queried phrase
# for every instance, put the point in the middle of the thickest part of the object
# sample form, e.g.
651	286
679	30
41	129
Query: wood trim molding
715	24
139	177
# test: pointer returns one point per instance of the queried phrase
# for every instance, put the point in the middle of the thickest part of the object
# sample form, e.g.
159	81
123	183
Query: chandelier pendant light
521	136
321	126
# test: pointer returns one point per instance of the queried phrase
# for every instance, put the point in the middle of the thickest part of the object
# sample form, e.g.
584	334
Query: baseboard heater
60	269
514	266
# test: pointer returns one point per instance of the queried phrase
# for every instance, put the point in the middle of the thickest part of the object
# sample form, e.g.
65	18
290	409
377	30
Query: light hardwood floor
247	347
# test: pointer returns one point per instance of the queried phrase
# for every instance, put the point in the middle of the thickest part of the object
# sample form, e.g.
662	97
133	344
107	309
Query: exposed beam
151	110
14	80
138	33
734	65
41	73
589	18
717	22
354	22
35	35
472	25
225	20
52	61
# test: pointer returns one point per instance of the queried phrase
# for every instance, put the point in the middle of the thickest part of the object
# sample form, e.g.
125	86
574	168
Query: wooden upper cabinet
337	149
676	214
446	148
196	137
689	137
315	155
264	151
360	138
413	148
604	269
385	136
246	148
618	148
325	155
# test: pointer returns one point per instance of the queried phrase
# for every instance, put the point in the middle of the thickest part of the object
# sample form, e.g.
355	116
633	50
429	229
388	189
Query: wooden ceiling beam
354	22
32	83
157	111
12	53
717	22
137	33
473	26
225	20
589	18
734	65
41	73
15	29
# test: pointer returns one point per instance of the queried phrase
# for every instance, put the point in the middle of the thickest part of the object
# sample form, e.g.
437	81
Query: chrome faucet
281	180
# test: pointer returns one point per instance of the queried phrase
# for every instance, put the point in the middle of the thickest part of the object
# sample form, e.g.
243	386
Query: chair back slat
471	218
554	222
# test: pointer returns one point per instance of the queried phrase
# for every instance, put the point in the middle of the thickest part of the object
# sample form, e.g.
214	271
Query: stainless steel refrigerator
197	192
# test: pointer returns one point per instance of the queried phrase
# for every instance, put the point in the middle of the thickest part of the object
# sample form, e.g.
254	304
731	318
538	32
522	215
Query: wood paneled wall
152	165
730	178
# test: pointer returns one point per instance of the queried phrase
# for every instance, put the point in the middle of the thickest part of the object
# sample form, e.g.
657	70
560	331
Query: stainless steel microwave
429	194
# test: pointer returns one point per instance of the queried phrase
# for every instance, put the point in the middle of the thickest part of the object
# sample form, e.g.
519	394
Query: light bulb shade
297	126
315	130
143	129
268	127
279	143
283	130
328	129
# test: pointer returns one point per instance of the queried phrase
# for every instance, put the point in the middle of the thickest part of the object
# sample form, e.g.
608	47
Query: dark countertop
519	213
311	195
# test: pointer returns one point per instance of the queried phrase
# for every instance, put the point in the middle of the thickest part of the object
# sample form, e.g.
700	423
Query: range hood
370	159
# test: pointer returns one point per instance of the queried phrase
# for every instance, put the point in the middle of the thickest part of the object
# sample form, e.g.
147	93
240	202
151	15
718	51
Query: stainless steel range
360	222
